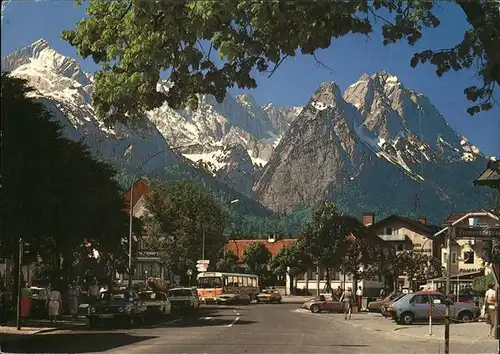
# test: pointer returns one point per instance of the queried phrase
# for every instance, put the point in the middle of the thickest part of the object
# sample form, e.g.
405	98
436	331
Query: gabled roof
457	220
414	225
491	176
450	219
239	246
140	189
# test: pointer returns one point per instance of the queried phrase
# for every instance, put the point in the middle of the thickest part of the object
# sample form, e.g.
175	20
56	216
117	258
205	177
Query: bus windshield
210	282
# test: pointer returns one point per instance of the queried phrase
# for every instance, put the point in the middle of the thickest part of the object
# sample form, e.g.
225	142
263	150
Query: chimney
272	238
368	219
422	220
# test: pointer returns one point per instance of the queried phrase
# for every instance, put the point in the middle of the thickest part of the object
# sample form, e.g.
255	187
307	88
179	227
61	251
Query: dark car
123	306
233	299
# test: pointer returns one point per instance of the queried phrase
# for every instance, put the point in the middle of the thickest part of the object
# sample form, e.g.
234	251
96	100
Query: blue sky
296	80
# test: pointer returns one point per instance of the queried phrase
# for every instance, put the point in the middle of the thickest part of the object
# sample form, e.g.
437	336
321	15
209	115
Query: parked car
416	306
233	299
184	298
385	308
269	296
320	303
375	306
123	306
157	303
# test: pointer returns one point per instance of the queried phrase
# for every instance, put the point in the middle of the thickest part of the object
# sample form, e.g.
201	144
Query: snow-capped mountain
65	89
375	141
376	146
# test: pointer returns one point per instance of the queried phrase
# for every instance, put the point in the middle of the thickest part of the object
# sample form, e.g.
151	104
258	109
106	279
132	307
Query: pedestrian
26	295
93	293
54	305
2	306
490	307
73	297
346	300
359	297
382	293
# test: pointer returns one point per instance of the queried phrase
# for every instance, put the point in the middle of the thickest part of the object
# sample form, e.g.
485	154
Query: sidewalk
461	332
30	327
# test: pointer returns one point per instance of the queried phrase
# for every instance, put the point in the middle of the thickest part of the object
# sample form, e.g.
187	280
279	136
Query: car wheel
406	318
315	309
465	316
279	301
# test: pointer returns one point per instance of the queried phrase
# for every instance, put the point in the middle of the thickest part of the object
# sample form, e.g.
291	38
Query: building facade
404	234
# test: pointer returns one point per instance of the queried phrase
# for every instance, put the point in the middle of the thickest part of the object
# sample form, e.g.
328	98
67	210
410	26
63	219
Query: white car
184	298
156	302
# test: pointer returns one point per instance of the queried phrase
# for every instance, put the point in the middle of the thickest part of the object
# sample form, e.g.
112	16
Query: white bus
213	284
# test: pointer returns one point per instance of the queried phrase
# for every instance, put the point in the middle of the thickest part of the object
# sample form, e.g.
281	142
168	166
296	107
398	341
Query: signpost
202	265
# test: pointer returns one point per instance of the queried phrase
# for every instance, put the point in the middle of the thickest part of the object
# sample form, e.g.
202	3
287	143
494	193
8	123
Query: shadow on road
71	343
214	322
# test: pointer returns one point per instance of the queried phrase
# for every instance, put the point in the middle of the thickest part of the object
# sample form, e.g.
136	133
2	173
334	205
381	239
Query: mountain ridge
376	126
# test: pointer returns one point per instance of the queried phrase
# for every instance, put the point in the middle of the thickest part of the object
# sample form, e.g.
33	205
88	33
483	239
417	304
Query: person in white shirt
359	297
490	304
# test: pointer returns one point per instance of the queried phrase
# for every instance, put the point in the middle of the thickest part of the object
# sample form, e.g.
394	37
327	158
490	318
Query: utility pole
448	291
203	241
19	274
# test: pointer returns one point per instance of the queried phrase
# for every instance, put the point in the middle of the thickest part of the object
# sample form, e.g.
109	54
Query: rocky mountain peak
40	56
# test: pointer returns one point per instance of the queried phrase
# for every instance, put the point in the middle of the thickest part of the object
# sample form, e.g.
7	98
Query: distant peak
328	92
245	98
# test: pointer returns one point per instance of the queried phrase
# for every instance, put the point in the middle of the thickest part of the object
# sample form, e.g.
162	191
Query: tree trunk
328	284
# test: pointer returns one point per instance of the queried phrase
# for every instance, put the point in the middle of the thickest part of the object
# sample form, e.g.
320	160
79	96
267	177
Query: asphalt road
243	329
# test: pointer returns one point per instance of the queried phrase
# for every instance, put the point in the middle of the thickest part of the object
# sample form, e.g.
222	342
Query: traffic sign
479	233
202	267
203	261
189	272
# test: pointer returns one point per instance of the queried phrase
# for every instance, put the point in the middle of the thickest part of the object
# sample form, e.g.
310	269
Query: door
419	305
438	306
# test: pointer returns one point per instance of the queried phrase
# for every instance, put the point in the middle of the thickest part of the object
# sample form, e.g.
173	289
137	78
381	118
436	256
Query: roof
140	188
414	225
491	176
456	218
239	246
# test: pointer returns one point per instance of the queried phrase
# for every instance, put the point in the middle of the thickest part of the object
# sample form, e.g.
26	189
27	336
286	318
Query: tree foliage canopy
54	193
136	40
257	258
175	223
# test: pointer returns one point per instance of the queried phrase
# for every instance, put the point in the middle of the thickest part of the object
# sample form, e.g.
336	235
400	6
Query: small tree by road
292	261
257	257
228	261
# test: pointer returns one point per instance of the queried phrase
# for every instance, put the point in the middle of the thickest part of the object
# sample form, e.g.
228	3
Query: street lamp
132	204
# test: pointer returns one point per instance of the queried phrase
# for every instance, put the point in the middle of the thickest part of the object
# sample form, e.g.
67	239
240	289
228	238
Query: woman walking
54	304
26	295
73	297
346	300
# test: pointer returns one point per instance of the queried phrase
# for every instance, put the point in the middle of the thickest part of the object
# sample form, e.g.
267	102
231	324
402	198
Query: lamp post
131	207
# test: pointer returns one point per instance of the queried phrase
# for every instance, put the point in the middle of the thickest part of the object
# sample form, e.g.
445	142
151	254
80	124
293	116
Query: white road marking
208	318
234	321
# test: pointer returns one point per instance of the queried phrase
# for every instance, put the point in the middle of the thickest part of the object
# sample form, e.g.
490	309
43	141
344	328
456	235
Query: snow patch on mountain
65	89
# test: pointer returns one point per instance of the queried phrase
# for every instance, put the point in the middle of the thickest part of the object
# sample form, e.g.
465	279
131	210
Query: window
420	299
209	282
254	282
453	257
245	281
468	257
400	247
240	281
388	230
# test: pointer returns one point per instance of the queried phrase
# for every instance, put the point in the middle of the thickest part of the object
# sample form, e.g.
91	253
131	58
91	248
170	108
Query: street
240	329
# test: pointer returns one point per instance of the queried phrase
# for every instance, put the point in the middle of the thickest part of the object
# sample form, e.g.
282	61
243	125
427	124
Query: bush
480	284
